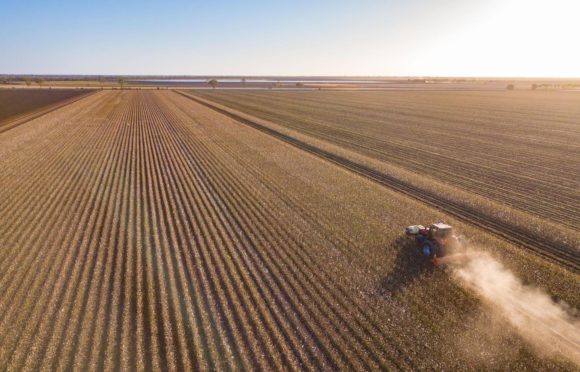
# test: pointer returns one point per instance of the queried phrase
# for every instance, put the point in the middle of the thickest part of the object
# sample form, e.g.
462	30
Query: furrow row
542	246
271	235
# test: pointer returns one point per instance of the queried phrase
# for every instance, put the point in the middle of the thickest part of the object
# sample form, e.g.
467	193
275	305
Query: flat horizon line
295	76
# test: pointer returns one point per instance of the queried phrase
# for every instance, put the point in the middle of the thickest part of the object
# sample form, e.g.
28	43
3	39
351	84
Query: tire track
542	247
552	204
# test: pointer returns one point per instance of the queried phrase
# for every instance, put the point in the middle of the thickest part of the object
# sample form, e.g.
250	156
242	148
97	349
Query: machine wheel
427	250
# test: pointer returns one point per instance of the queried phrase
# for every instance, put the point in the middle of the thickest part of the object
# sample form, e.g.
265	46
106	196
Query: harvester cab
440	232
435	241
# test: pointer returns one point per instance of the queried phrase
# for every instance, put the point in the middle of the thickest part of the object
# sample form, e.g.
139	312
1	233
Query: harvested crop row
50	258
219	133
541	245
270	236
155	234
305	263
216	188
450	136
50	334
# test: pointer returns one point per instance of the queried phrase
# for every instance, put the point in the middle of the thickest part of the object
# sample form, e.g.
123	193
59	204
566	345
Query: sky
496	38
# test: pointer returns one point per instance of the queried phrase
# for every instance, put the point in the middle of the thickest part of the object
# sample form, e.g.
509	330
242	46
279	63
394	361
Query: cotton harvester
438	243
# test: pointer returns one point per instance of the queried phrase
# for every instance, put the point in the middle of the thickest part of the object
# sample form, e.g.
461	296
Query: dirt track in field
541	245
519	148
143	230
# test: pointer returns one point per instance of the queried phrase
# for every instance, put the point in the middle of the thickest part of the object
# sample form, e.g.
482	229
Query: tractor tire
428	250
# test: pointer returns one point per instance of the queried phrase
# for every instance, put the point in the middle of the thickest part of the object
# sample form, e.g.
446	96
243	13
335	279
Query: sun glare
514	38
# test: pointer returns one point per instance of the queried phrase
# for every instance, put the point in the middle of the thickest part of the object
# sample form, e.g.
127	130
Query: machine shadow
409	266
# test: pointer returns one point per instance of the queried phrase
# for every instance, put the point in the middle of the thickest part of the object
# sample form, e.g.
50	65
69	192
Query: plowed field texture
180	230
20	105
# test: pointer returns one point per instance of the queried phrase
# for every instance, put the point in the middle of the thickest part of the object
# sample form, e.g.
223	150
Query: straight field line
544	248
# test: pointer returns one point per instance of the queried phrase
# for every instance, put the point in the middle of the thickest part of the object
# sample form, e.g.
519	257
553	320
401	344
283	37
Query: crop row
454	139
137	232
156	261
430	307
542	245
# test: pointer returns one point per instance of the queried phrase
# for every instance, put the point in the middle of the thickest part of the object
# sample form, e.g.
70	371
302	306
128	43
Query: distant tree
39	81
213	82
510	87
27	81
121	82
300	85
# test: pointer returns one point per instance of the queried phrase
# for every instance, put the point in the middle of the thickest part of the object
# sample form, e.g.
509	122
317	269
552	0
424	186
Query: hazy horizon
346	77
438	38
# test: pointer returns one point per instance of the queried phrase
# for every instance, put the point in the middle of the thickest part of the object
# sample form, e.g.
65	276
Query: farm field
144	230
512	156
17	102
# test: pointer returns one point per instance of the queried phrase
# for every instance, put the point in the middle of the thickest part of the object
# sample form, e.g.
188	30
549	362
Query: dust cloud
553	329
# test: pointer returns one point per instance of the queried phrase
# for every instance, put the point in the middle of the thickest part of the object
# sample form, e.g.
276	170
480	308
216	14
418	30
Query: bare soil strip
24	118
539	245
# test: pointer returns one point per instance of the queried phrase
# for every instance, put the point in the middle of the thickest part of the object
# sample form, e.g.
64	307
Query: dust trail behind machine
552	328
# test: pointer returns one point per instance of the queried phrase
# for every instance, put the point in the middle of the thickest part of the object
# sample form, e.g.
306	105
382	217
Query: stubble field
511	156
144	230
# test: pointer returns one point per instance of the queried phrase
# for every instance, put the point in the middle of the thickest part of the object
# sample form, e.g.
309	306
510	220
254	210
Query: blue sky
365	37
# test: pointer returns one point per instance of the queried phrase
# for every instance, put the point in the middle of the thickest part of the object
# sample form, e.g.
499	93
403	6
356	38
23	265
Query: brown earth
18	102
519	148
142	230
514	156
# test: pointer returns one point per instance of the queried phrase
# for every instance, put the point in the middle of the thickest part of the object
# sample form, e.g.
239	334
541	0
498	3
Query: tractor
436	243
